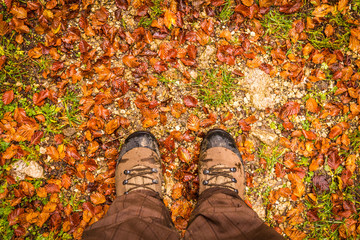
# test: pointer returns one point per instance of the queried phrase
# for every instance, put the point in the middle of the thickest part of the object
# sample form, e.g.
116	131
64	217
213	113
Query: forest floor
77	77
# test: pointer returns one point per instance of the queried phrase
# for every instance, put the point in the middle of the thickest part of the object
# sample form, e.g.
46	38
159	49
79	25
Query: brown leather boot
220	163
138	166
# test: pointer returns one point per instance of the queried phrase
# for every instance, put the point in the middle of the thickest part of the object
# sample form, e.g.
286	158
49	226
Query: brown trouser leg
138	215
221	214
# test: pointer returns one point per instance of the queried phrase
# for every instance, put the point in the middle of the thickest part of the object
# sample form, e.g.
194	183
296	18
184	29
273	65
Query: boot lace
143	172
217	171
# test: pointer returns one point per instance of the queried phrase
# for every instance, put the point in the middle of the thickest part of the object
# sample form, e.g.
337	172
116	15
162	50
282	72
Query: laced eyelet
126	192
126	172
155	181
234	180
205	182
154	170
206	171
125	182
236	191
233	169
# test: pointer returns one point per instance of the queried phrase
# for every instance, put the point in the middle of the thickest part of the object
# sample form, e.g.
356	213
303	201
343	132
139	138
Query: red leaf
309	135
190	101
35	139
39	98
334	160
2	58
8	97
289	109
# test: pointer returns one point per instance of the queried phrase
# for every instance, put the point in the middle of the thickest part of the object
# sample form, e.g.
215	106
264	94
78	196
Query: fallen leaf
97	198
193	123
8	97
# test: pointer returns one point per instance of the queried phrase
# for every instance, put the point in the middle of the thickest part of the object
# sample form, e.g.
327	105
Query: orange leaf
184	155
53	153
177	191
8	97
27	188
322	10
193	123
97	198
247	3
112	126
335	131
19	12
169	18
316	163
93	146
177	109
312	106
297	184
130	61
35	52
149	122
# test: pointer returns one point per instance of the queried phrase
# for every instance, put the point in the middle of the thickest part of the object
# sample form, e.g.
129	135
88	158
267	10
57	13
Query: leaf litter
275	74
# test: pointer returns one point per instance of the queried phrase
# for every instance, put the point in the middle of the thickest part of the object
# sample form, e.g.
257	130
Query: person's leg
138	212
221	213
138	215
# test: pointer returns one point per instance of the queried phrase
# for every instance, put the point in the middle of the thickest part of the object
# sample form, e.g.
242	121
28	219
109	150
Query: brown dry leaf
297	184
247	3
266	3
177	191
312	106
130	61
335	131
41	192
289	109
225	34
35	52
342	4
19	12
177	109
50	207
322	10
43	217
169	19
112	126
53	153
27	188
184	155
254	63
316	163
97	198
93	147
350	163
8	97
329	30
190	101
193	123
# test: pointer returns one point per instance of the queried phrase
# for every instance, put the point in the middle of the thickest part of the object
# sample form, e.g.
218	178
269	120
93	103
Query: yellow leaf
169	18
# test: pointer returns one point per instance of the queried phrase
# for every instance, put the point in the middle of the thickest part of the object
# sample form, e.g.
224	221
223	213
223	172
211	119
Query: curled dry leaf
193	123
184	155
